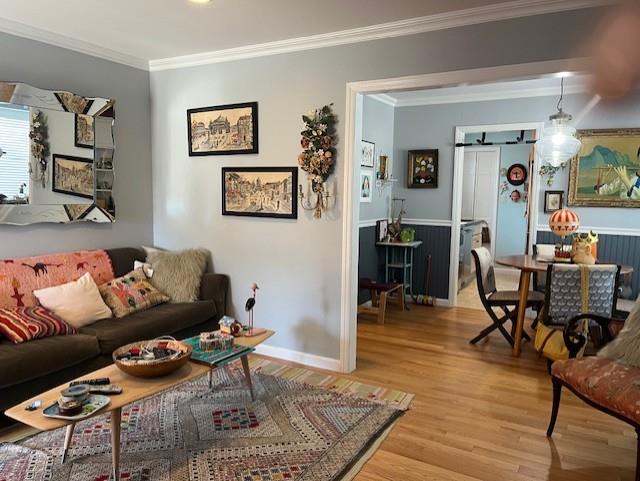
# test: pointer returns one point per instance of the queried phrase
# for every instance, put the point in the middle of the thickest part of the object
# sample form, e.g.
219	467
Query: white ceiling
538	87
159	29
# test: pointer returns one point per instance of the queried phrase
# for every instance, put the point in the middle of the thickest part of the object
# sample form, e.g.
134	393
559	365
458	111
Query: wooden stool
381	292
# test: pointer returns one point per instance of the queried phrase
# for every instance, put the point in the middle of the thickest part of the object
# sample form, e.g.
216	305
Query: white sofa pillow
79	302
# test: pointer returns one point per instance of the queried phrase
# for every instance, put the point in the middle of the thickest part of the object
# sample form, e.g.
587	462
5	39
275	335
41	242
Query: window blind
14	140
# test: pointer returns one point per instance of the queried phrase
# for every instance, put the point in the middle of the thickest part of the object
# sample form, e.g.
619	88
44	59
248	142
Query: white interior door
486	189
469	184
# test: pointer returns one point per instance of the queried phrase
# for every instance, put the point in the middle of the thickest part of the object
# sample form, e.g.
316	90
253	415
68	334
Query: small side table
399	256
243	346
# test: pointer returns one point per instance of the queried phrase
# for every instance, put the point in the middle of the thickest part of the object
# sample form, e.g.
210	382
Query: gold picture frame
593	180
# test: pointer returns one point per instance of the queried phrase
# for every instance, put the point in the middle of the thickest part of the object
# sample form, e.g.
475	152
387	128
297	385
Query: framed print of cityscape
260	191
73	176
223	129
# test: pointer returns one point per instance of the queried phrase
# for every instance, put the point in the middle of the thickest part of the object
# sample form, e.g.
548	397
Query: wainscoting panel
368	264
436	241
621	249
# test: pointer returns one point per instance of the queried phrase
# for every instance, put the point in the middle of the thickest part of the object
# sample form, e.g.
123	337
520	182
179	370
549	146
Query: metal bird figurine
249	305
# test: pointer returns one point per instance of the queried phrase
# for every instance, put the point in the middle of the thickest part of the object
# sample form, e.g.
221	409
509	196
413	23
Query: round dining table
527	265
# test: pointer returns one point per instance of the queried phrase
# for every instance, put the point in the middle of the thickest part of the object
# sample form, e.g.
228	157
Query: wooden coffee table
133	389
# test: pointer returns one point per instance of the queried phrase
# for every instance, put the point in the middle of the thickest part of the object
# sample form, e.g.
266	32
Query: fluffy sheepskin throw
625	348
178	274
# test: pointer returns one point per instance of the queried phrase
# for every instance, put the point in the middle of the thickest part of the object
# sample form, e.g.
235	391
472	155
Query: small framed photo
223	129
382	230
423	169
84	131
553	200
517	174
366	182
367	154
73	176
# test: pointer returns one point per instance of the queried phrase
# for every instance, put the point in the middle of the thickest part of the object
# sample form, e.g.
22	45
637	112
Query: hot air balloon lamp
563	223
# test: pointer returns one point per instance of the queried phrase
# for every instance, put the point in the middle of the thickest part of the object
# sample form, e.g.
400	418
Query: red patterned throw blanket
20	277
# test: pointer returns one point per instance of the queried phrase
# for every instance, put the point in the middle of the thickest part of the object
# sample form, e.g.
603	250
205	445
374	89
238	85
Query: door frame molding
458	165
351	208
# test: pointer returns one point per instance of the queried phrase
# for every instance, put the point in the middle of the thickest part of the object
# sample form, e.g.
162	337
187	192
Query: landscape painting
606	171
223	130
73	176
260	191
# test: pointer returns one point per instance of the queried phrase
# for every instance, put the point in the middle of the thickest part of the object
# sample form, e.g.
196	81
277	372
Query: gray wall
298	263
377	127
50	67
434	127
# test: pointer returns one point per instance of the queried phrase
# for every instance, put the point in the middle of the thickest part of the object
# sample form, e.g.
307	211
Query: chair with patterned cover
575	295
605	382
492	298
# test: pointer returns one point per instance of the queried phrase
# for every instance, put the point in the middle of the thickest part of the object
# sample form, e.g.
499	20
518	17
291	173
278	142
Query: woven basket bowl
154	368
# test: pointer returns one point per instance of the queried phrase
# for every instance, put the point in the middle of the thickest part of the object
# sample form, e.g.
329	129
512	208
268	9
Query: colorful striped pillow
26	323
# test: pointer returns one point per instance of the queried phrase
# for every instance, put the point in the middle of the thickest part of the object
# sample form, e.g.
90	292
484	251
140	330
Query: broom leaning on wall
425	299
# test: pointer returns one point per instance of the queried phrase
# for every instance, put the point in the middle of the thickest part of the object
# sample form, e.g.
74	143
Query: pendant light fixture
558	143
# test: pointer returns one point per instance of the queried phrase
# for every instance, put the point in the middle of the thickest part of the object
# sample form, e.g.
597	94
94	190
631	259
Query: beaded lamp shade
564	222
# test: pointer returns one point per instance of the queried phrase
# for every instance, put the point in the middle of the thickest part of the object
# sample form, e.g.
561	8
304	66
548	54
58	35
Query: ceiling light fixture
200	1
558	143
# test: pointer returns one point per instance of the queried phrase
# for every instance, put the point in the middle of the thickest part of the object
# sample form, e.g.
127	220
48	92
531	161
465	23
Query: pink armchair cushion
605	382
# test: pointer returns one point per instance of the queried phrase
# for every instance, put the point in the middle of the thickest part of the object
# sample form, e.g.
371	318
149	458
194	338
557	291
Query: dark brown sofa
35	366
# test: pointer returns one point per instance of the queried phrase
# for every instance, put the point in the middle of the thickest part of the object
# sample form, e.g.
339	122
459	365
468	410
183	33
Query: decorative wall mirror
56	156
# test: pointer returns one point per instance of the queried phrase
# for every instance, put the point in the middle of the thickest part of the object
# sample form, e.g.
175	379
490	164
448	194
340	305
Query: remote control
92	382
105	389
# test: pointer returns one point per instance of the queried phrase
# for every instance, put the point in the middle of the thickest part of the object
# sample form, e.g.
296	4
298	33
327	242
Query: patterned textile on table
292	431
26	323
580	289
574	290
20	277
131	293
605	382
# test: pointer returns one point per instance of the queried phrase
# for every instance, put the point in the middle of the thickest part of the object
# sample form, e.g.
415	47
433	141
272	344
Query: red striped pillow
26	323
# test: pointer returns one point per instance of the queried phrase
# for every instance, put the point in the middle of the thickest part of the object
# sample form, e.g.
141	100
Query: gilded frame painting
606	171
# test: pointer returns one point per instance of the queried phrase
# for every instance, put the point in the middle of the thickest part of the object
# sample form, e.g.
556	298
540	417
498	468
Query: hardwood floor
479	413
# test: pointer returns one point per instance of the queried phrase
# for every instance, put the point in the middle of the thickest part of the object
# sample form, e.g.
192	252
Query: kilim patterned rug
318	430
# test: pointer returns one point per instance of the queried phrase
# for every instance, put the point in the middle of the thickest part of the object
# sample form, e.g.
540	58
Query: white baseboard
310	360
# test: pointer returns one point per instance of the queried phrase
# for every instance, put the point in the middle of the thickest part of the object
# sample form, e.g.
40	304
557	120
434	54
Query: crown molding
430	23
497	93
69	43
459	18
385	99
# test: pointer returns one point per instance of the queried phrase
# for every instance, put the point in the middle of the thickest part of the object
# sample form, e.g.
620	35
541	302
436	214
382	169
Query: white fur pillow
178	274
625	348
79	302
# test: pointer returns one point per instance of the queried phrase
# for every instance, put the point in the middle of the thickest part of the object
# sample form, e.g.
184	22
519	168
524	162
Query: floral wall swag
39	135
318	154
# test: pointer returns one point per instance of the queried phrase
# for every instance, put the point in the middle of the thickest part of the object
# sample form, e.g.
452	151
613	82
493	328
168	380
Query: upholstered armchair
610	381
